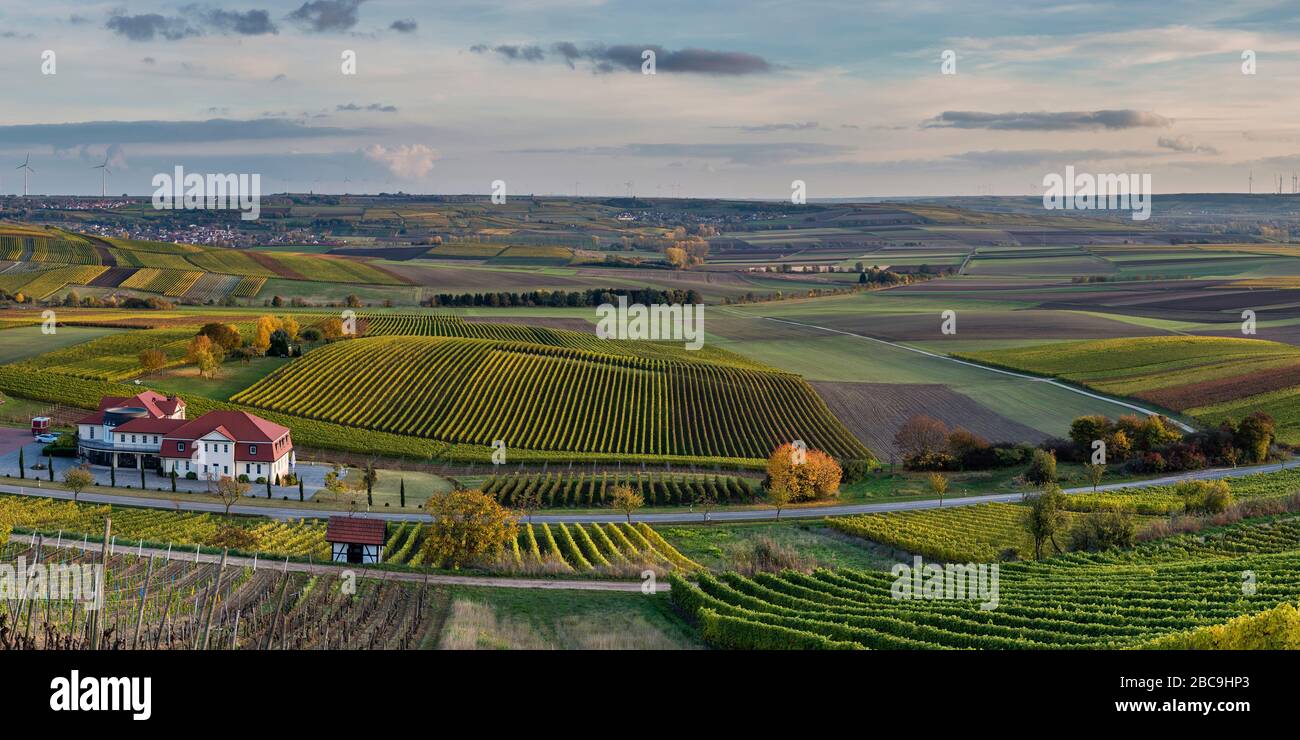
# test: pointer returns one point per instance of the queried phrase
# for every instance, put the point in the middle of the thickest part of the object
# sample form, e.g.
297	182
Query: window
132	439
187	464
259	468
92	432
225	469
180	447
225	448
252	450
205	446
247	468
155	439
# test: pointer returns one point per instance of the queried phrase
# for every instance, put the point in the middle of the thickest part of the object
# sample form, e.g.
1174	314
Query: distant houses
150	430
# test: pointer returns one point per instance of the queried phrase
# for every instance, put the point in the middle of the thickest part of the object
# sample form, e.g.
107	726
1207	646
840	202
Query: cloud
1048	121
1184	144
747	154
403	25
629	58
327	15
248	23
770	127
65	135
194	21
147	26
407	161
524	53
149	60
377	107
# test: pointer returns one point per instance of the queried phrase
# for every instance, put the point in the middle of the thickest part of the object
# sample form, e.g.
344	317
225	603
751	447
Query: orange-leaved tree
806	475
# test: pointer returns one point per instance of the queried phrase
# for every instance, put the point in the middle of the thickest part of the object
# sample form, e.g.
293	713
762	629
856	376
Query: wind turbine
26	167
104	189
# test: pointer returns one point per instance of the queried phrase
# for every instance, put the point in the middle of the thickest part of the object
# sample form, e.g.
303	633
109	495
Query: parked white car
47	438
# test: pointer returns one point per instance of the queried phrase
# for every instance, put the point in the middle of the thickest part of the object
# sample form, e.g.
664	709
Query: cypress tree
22	466
402	493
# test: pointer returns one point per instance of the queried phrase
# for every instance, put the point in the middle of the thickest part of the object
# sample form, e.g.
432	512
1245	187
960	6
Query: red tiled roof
150	426
156	404
247	431
356	531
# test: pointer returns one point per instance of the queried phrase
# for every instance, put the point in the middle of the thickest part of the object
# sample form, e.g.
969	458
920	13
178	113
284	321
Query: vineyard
539	397
986	532
114	357
594	549
165	281
978	533
40	284
299	538
1115	599
183	605
450	325
559	490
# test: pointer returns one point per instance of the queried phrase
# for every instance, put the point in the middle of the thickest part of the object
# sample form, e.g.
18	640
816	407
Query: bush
853	471
191	475
1204	496
1102	530
931	461
1008	456
1042	468
242	478
260	479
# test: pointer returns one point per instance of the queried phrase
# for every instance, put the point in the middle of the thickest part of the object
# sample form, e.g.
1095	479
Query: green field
24	342
1206	378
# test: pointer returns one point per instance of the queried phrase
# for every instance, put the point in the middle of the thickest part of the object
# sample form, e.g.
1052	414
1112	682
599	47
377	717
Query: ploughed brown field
874	412
1220	390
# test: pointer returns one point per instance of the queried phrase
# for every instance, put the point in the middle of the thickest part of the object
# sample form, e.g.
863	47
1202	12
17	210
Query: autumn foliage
809	476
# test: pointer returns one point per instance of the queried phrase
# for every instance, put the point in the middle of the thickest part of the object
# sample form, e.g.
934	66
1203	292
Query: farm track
272	565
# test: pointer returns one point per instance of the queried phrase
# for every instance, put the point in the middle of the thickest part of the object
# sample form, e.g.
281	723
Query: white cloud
407	161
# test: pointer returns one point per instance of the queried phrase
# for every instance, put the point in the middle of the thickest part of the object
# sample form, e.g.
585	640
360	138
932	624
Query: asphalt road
676	517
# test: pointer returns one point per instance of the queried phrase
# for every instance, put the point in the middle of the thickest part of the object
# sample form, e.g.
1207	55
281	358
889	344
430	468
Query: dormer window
252	449
180	446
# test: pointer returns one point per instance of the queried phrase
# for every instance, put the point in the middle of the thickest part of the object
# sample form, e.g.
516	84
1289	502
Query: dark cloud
520	53
1048	121
194	20
403	25
377	107
731	153
770	127
247	23
629	58
327	15
148	26
64	135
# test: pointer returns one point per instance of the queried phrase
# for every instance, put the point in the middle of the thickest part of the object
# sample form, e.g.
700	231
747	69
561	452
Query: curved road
675	517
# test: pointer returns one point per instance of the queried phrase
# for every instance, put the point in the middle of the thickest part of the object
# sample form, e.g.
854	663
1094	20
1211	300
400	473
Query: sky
549	96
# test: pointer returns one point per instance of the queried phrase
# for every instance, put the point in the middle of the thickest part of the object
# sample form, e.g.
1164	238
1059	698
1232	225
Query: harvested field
1221	390
112	277
274	265
875	411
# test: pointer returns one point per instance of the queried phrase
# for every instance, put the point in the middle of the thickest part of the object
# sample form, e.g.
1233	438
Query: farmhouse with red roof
150	430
